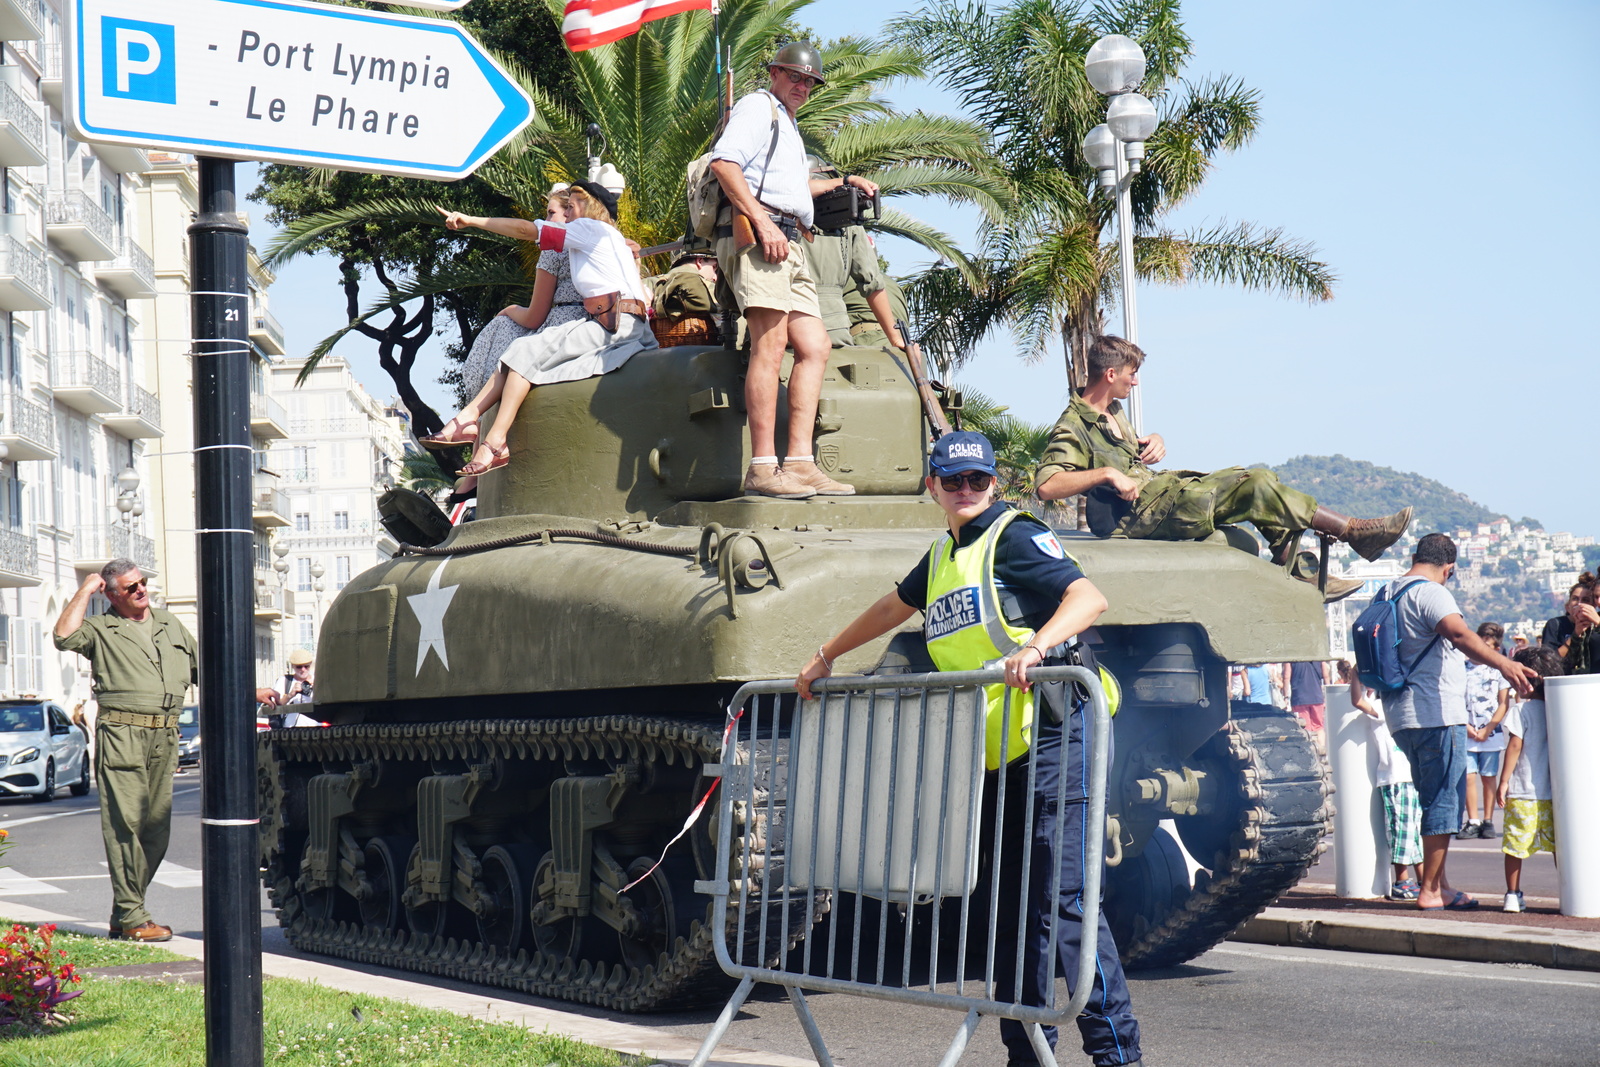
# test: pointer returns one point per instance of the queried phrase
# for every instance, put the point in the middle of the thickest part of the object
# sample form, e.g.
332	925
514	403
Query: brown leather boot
149	930
1369	537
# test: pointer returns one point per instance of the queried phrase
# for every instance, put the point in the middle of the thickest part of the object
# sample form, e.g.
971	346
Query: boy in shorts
1525	780
1402	810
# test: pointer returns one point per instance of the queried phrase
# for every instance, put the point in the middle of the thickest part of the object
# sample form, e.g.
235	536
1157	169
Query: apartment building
76	410
343	447
168	200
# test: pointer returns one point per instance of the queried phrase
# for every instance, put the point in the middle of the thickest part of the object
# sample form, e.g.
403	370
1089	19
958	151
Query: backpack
704	192
1375	640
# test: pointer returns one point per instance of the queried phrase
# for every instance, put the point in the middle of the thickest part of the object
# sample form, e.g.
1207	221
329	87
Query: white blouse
601	260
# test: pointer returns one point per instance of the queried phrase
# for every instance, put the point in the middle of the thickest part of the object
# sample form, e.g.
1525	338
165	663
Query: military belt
134	718
787	223
859	328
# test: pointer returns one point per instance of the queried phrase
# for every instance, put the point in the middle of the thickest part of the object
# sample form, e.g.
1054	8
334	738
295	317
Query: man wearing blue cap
999	586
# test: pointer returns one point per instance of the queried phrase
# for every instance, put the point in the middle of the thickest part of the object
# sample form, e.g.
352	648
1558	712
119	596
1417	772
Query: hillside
1366	490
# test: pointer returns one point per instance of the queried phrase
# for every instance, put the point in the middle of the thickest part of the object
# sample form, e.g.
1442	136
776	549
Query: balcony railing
268	417
81	227
132	273
86	382
269	599
140	415
267	332
95	546
52	70
21	131
24	277
27	429
19	559
338	424
21	20
271	506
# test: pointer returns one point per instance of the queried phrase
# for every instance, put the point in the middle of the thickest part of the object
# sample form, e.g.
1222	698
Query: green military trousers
134	766
1189	505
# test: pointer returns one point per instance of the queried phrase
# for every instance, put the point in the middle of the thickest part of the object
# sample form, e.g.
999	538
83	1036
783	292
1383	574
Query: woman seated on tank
554	301
613	329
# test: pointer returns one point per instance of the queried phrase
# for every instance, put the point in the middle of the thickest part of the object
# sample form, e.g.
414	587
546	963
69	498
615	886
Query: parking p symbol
138	60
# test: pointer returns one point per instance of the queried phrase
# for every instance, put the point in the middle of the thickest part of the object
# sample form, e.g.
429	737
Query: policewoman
999	586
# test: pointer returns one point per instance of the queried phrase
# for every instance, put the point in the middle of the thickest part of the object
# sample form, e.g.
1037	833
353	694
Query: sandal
445	439
498	457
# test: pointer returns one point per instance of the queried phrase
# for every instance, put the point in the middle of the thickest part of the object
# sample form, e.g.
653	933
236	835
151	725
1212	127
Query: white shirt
1484	685
1392	765
746	140
1530	778
600	258
1436	694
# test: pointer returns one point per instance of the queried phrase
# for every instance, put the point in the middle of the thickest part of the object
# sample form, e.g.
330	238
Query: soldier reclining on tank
1093	450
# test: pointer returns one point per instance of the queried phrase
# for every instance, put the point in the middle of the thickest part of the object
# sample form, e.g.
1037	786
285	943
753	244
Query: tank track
1283	814
688	976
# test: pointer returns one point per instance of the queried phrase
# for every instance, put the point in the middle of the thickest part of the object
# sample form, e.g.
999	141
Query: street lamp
128	501
1115	67
317	587
281	564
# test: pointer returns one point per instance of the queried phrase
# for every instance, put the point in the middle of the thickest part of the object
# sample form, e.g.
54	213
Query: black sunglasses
977	481
131	586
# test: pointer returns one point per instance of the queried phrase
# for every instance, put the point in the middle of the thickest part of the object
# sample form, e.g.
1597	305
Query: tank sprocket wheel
685	976
1280	815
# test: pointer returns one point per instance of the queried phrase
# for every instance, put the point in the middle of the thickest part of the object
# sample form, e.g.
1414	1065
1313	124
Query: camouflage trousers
1189	505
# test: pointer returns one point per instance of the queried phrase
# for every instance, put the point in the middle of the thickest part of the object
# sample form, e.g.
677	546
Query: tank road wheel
561	938
434	918
666	905
1256	844
1145	890
386	879
508	886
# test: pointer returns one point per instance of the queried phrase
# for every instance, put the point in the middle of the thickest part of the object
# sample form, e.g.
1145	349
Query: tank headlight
27	755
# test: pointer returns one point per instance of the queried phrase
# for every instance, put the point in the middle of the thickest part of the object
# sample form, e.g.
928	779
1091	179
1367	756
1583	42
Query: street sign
289	81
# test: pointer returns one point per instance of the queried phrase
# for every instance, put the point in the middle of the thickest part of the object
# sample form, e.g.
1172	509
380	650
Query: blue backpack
1375	639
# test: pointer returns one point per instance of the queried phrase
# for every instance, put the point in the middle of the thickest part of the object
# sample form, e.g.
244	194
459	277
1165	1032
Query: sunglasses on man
131	586
977	481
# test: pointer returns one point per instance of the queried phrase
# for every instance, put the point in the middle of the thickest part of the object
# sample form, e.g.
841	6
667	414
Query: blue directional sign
289	81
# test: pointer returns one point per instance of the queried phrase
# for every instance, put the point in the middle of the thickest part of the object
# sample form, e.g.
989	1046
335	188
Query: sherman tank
520	715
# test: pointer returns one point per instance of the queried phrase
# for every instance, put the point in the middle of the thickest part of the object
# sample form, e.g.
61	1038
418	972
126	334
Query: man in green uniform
865	328
1094	450
844	259
144	661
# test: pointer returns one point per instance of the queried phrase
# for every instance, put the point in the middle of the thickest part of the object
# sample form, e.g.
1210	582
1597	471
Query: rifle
930	402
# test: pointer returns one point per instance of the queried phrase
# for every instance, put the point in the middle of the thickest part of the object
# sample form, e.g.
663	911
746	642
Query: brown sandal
443	439
498	457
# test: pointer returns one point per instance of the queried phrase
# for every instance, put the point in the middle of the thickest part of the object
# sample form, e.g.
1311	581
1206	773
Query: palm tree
1047	269
1017	448
655	97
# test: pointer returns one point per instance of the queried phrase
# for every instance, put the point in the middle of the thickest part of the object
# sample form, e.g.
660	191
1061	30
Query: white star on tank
429	608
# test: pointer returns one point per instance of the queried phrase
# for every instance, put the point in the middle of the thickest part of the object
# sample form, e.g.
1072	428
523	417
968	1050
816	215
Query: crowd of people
1464	738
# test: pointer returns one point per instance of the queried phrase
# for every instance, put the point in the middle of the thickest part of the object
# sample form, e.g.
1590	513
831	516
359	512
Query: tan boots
1368	537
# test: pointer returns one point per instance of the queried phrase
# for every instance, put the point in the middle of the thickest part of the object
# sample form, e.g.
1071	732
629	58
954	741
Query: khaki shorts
755	283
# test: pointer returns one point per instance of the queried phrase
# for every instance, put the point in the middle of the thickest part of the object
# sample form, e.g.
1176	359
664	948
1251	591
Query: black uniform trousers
1110	1031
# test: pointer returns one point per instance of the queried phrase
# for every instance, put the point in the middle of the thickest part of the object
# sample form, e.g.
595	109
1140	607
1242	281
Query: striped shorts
1402	822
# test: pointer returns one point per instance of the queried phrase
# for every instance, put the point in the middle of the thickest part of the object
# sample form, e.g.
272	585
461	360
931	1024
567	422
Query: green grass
125	1022
86	951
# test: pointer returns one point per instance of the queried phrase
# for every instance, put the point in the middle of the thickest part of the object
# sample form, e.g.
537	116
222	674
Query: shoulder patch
1049	545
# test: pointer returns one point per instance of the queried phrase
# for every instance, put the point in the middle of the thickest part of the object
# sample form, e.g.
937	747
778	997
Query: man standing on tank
844	259
995	554
1428	717
143	661
760	162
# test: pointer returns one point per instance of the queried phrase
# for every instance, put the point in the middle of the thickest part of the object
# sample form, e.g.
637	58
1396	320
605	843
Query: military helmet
801	56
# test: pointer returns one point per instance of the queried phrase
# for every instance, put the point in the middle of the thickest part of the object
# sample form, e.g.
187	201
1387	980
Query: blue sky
1441	156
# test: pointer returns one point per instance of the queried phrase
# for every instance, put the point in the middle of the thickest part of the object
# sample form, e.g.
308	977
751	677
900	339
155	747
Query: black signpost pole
219	307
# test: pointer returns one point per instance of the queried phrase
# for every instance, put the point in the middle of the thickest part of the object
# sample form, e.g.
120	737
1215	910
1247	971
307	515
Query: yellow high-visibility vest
966	630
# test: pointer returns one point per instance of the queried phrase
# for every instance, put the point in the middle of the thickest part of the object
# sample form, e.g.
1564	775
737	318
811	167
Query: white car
40	751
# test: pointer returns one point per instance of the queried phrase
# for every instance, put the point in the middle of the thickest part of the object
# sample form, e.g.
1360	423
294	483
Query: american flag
587	23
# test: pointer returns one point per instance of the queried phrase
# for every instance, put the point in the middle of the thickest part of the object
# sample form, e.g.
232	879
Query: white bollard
1572	710
1361	855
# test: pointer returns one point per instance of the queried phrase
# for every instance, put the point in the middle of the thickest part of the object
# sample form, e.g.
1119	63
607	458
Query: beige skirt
577	350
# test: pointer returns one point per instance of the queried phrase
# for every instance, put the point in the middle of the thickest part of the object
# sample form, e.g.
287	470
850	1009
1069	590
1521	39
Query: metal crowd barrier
876	788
